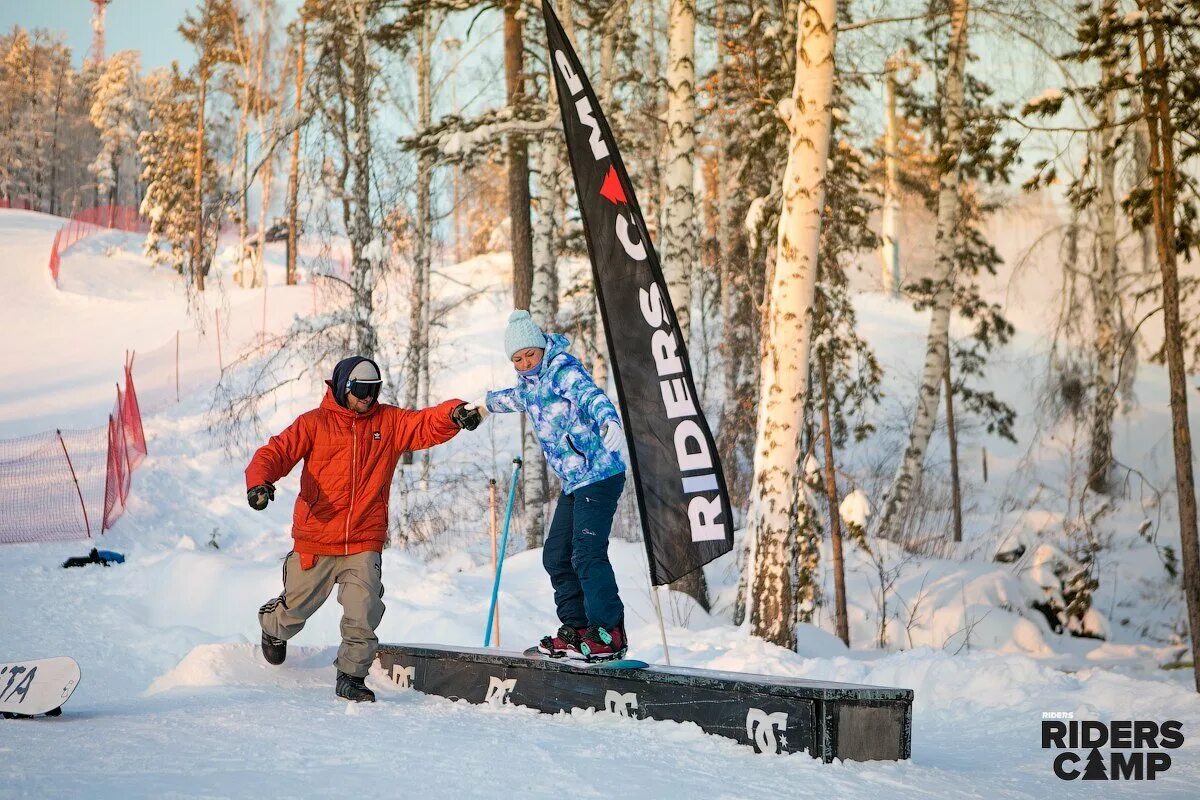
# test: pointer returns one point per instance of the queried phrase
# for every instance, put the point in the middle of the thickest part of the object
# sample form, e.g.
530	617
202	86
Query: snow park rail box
773	714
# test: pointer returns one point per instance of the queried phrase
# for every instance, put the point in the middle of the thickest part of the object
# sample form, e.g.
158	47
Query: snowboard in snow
29	688
615	663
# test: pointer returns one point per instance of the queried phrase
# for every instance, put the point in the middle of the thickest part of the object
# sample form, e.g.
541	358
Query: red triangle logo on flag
611	190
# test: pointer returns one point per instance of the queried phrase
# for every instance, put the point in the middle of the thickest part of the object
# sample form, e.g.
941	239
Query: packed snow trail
158	714
176	701
67	344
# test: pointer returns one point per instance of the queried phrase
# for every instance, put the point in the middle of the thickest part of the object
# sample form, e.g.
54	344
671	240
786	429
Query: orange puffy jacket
349	460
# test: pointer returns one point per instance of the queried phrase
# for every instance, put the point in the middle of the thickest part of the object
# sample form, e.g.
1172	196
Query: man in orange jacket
349	446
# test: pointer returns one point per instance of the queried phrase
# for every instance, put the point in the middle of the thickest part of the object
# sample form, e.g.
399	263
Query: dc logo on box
403	676
498	690
763	729
620	704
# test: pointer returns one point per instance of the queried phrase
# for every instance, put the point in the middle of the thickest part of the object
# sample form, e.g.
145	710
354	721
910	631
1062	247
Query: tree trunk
198	264
788	324
293	189
423	223
1104	292
1156	96
678	233
518	159
835	518
955	486
535	481
360	233
244	279
890	214
54	138
909	471
535	486
267	177
544	298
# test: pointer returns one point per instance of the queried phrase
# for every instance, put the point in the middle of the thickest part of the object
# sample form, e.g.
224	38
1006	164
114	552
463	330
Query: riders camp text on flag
681	490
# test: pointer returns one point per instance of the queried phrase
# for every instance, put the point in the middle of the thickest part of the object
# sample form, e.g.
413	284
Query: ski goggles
364	390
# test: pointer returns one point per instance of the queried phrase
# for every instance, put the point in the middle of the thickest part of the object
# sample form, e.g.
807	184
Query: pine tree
166	149
210	32
117	112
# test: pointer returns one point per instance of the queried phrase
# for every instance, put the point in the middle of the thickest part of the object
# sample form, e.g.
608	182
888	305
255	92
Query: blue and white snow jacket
567	410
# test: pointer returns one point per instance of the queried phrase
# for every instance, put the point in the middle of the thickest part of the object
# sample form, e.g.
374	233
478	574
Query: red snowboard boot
604	644
565	643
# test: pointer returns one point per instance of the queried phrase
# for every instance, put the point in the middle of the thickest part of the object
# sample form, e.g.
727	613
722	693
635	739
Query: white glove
613	436
479	405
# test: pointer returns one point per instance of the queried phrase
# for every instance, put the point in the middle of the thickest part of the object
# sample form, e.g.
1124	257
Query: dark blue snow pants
576	555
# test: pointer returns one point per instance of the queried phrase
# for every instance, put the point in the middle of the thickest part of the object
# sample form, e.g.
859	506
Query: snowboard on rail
612	663
40	686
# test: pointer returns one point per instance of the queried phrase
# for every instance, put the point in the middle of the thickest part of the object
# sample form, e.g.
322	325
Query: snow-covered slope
175	701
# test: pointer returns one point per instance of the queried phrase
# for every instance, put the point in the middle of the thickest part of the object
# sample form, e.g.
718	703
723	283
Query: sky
147	25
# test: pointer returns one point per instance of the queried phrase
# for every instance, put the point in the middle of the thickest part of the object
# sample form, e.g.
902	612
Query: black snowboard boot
274	650
353	689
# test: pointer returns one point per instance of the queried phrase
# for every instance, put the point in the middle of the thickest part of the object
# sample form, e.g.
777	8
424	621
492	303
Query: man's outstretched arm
428	427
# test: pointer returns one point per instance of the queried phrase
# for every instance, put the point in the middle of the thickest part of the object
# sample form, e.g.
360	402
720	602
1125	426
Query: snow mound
243	665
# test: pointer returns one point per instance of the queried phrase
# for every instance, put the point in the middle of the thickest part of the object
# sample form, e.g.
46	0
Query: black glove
260	495
466	417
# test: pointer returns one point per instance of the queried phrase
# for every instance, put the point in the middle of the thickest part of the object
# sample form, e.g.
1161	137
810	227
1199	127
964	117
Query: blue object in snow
512	494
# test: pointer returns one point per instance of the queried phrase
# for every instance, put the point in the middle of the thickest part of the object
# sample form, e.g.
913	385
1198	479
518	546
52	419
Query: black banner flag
681	490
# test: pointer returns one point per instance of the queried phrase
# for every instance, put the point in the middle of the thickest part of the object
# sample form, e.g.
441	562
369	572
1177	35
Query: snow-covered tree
210	32
117	112
166	149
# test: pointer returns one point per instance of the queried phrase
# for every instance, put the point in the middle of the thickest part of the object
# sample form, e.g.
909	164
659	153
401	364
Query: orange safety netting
71	484
91	221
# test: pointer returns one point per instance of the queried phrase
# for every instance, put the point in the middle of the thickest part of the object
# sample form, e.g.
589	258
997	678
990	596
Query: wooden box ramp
774	715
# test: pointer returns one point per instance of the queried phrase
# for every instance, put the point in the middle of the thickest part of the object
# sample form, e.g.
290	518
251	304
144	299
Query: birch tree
678	232
787	324
937	345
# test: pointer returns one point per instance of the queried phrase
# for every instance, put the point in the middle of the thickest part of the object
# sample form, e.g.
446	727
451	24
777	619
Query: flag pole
662	631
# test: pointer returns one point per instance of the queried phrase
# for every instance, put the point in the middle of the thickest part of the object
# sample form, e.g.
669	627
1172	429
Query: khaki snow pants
359	579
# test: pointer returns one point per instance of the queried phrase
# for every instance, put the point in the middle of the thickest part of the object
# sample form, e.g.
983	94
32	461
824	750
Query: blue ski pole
512	495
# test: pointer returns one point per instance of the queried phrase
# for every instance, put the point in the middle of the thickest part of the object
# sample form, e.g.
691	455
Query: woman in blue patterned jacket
580	433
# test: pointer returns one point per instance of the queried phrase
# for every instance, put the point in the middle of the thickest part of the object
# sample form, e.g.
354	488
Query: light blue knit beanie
522	332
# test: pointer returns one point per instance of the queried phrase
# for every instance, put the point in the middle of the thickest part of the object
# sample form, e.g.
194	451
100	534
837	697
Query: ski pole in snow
512	494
